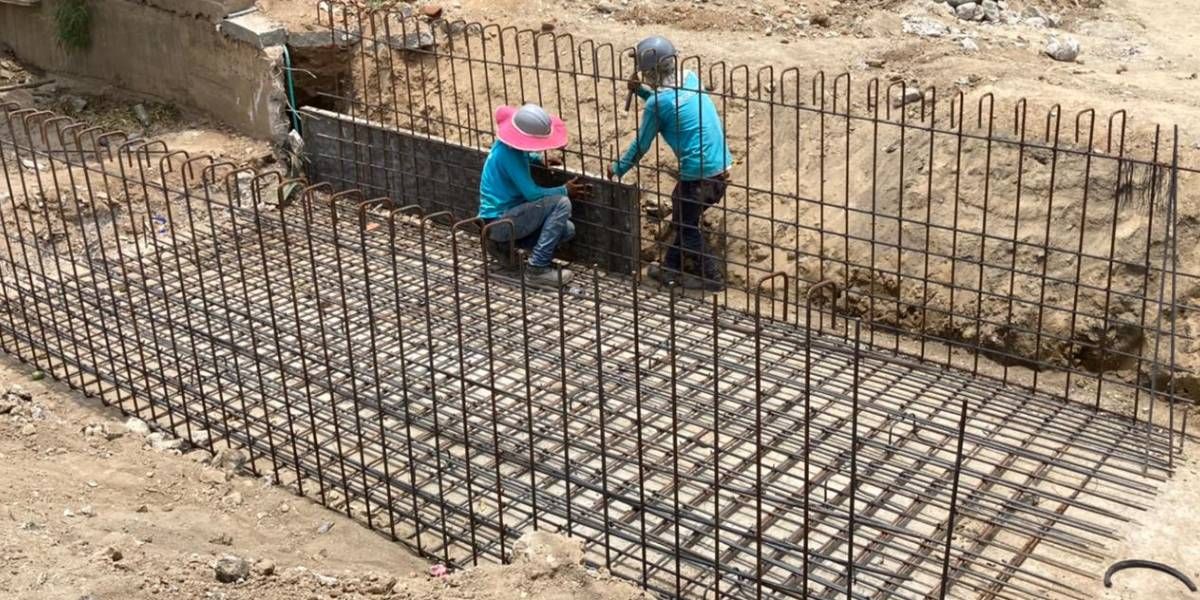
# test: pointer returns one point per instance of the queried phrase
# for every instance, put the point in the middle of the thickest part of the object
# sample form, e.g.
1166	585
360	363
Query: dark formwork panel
409	168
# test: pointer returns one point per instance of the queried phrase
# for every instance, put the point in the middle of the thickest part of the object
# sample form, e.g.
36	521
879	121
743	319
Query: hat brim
509	134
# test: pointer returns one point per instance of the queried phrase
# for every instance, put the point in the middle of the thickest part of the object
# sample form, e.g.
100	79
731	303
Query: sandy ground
89	509
1139	55
1162	535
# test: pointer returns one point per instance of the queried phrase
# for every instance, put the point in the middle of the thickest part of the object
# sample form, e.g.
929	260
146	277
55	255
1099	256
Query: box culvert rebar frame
364	358
1036	248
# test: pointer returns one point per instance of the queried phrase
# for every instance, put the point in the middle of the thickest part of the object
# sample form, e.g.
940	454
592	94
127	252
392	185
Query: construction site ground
71	498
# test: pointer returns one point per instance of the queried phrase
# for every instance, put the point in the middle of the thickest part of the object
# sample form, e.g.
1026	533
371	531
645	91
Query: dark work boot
712	283
501	258
662	275
547	277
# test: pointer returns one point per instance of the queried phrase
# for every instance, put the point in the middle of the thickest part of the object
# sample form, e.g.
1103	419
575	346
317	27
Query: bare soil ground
92	508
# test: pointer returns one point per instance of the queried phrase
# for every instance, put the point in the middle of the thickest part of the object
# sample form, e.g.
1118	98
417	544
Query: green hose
291	89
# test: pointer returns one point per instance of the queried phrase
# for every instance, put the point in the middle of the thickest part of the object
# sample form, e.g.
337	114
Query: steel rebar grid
301	407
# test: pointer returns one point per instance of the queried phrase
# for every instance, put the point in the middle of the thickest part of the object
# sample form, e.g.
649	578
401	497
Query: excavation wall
161	50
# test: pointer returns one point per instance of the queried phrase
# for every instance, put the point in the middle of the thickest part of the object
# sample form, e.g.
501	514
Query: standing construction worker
507	191
690	125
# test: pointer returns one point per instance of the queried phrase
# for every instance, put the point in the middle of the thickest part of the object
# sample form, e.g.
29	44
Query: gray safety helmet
532	119
655	53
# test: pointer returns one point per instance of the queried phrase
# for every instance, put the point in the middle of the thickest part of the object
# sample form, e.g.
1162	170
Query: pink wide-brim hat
510	134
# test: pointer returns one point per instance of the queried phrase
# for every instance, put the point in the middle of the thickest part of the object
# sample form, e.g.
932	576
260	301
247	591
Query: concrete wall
152	52
439	175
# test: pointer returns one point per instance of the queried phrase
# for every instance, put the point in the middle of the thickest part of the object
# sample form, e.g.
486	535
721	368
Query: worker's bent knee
568	232
502	232
563	204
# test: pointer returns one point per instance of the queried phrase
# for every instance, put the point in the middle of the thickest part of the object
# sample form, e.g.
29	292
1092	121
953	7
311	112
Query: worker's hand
612	175
634	84
578	190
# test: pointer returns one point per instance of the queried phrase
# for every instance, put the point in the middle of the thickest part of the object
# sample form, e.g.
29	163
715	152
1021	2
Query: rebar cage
364	357
1039	249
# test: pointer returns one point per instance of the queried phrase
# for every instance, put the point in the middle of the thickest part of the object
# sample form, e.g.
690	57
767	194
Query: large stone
1065	49
137	426
991	11
958	3
910	95
230	569
968	12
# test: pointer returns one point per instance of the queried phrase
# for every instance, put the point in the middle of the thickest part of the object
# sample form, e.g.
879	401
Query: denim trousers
689	200
548	218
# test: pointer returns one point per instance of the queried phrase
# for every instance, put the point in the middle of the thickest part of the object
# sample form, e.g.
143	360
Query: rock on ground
230	569
137	426
968	12
910	95
1065	49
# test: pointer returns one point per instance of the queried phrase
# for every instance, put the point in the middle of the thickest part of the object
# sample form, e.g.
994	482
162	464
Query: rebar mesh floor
455	413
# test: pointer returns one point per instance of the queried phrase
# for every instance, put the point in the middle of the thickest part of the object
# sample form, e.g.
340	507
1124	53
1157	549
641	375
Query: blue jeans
549	218
689	200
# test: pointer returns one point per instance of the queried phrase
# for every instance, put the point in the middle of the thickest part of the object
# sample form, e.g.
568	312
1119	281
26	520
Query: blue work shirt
506	181
689	124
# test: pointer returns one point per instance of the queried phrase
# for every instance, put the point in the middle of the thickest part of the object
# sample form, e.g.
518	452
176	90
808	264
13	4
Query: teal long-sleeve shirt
689	123
506	181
